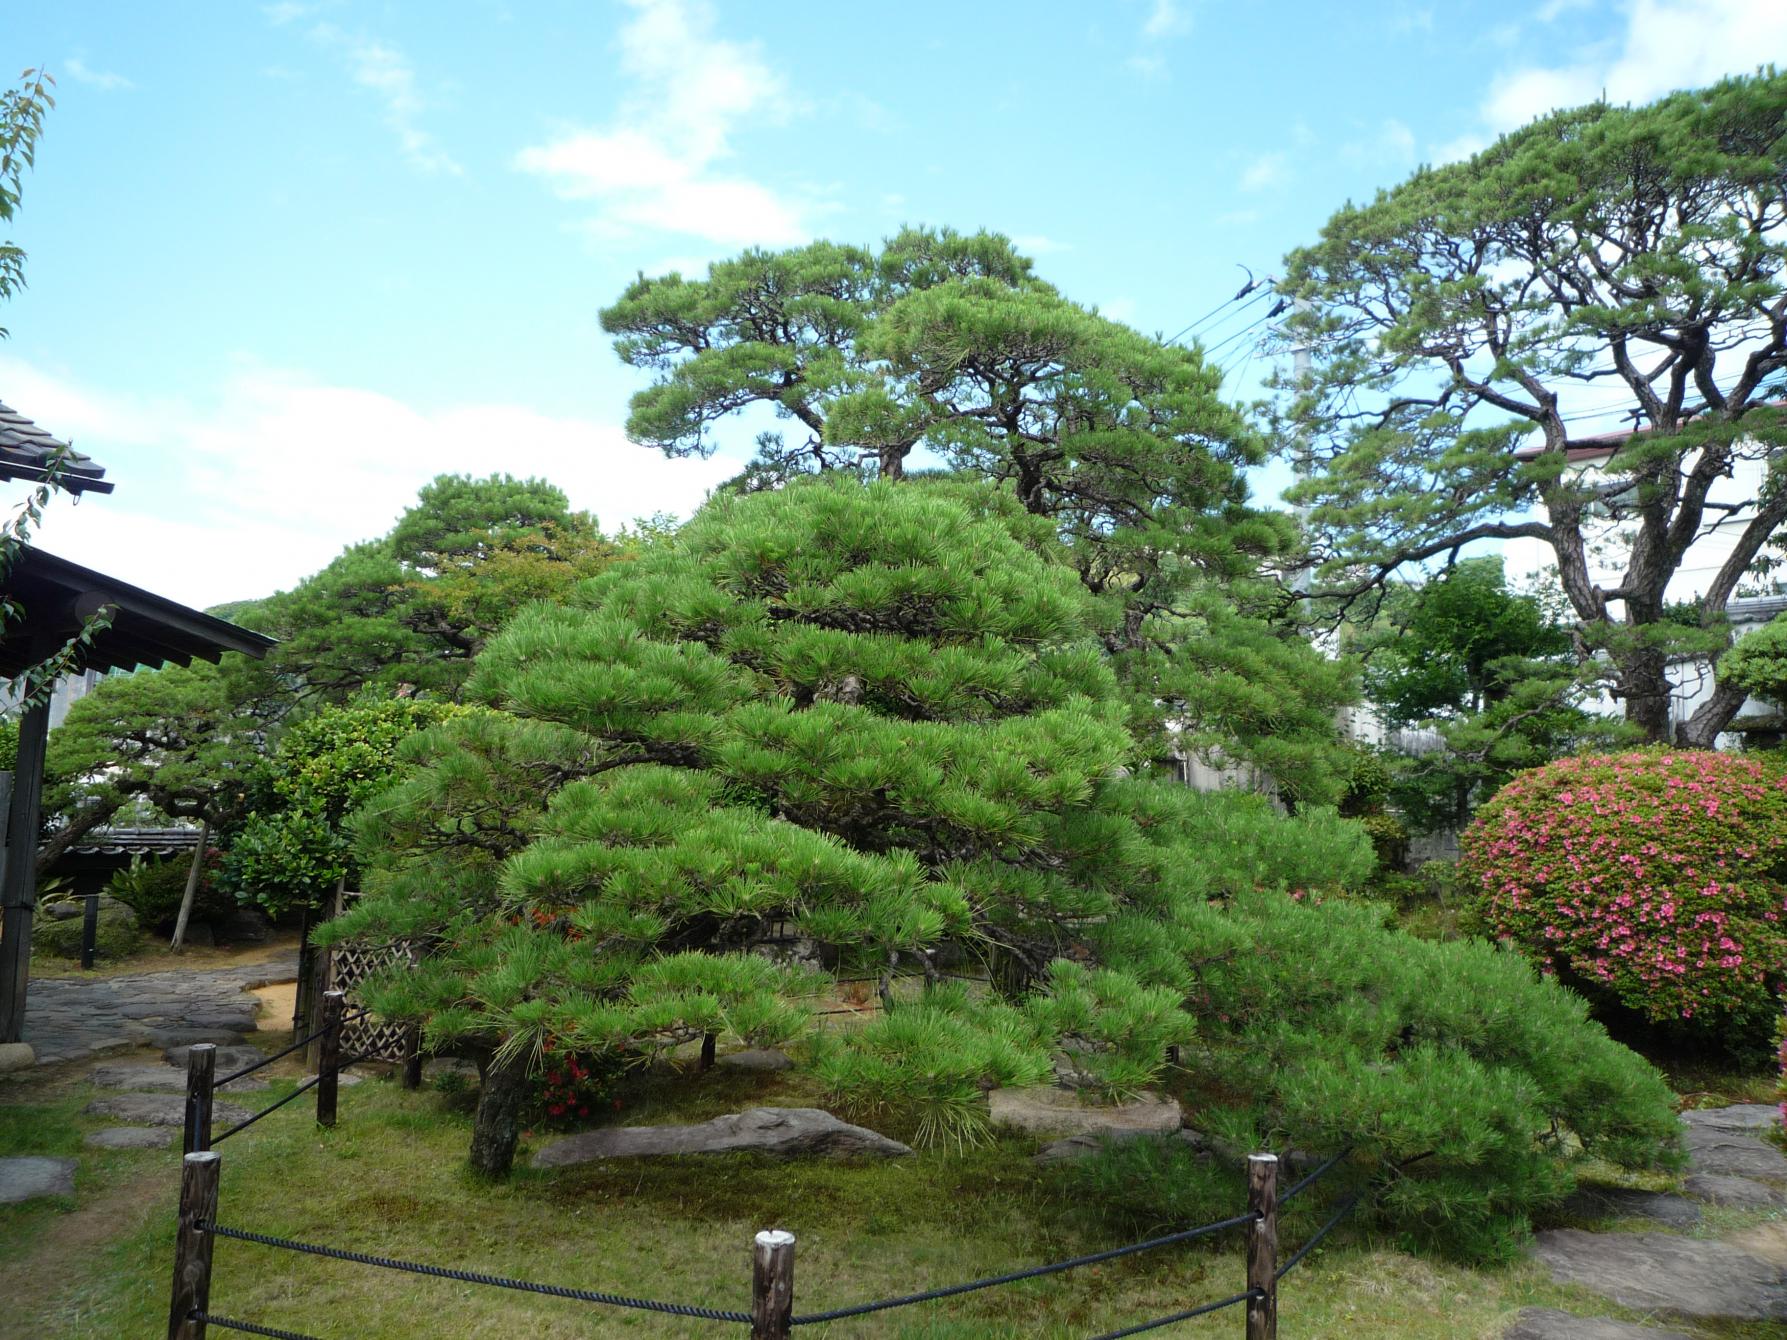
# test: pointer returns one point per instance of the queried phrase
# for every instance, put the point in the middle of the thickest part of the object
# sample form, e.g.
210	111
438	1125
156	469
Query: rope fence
772	1315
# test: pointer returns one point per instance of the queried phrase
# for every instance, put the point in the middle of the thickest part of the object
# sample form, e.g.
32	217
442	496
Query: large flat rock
228	1058
782	1131
1732	1154
1611	1202
1739	1192
28	1178
1658	1272
131	1137
1547	1323
1057	1112
1743	1118
152	1078
159	1109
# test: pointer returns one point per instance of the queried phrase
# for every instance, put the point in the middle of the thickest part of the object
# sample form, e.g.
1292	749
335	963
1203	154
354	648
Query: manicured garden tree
943	348
294	847
1652	878
1757	663
882	717
1604	261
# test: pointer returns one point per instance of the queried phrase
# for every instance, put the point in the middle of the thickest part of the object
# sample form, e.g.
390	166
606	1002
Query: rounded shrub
1654	876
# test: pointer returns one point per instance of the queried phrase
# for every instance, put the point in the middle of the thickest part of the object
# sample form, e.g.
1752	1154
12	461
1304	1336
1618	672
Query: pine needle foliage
840	729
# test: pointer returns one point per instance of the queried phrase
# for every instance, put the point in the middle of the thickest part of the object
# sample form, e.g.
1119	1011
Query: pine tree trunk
192	884
1644	672
496	1128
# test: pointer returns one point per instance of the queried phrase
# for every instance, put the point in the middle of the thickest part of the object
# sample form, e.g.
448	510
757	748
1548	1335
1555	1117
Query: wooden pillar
18	884
412	1057
192	1246
772	1285
89	930
201	1080
329	1060
1262	1247
708	1041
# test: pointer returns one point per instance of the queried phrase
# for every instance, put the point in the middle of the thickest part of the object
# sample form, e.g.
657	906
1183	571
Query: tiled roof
137	841
26	450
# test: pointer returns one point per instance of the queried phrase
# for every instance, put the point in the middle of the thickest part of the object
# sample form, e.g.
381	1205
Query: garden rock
1740	1118
16	1056
782	1131
175	1037
243	926
229	1058
1738	1192
131	1137
1079	1146
162	1079
1055	1112
1712	1150
1547	1323
1660	1272
1622	1203
28	1178
757	1058
159	1109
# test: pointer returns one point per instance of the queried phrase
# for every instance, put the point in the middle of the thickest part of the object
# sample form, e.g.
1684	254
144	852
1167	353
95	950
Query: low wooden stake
1262	1247
89	930
772	1285
201	1085
328	1064
412	1058
192	1247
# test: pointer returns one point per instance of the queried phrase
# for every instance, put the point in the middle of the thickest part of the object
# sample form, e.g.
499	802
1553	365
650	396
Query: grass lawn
390	1179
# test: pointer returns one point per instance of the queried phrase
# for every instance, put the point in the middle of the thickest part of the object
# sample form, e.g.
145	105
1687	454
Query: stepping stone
228	1058
438	1067
1742	1118
174	1037
159	1109
1767	1241
1741	1192
131	1137
1612	1202
1711	1150
1057	1112
1547	1323
781	1131
28	1178
757	1058
1659	1272
161	1079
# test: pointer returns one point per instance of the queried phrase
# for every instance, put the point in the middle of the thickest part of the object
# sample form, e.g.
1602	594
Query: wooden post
707	1051
192	1248
772	1285
329	1060
201	1081
1262	1247
89	930
18	888
412	1058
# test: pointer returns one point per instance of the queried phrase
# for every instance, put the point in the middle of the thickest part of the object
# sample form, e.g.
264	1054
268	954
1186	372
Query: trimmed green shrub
116	937
1653	877
153	890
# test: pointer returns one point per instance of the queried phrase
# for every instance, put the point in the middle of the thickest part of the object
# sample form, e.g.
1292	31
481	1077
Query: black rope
473	1277
282	1054
1034	1272
1346	1208
231	1325
1305	1183
307	1085
1187	1315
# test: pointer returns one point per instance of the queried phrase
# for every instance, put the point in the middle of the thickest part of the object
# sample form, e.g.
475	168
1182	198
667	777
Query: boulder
757	1058
131	1137
785	1132
1738	1192
1740	1118
245	925
16	1056
1055	1112
28	1178
159	1109
1612	1202
1712	1149
1547	1323
1659	1272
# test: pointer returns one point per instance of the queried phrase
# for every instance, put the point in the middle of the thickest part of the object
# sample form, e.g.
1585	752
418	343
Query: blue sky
288	261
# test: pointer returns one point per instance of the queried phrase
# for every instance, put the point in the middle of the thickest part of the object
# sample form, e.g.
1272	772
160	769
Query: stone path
1741	1277
67	1018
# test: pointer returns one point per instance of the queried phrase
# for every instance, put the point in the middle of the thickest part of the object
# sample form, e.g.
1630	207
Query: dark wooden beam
18	883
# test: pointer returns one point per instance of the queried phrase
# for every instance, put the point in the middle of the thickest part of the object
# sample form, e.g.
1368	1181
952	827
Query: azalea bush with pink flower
1653	875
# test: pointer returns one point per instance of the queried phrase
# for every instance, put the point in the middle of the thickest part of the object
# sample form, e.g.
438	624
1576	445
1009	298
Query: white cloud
1665	45
103	80
1166	18
1119	309
385	71
1266	170
659	166
275	472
